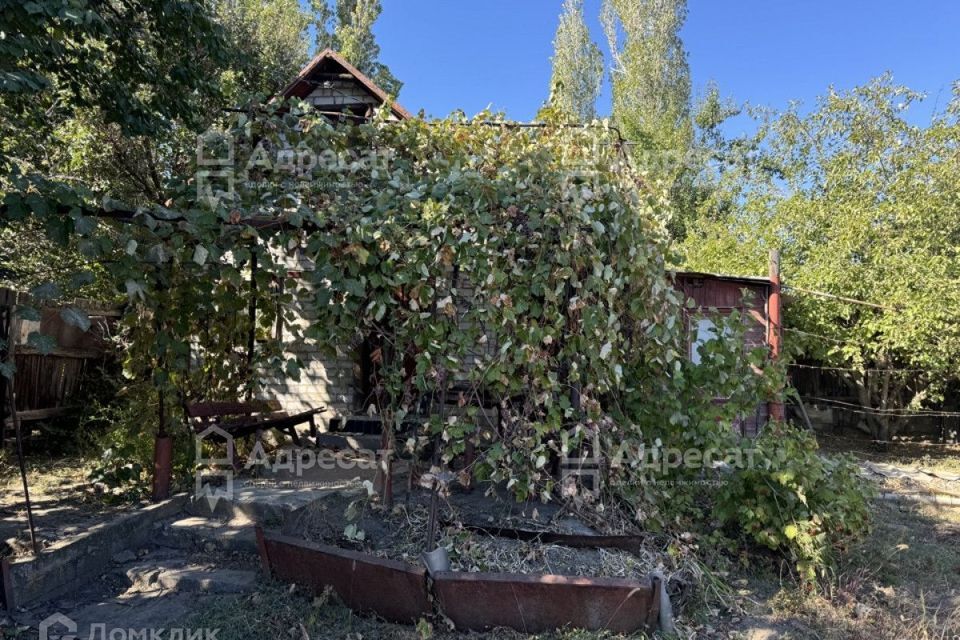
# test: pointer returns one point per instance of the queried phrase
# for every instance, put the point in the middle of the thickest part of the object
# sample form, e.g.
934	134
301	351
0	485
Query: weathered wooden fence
46	382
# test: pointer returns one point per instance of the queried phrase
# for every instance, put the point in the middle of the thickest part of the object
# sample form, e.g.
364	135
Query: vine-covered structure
344	384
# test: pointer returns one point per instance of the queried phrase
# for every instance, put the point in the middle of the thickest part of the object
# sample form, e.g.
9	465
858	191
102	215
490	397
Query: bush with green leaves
686	416
116	430
795	500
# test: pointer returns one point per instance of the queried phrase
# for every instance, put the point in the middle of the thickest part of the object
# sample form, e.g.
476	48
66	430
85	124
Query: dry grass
902	581
46	477
62	505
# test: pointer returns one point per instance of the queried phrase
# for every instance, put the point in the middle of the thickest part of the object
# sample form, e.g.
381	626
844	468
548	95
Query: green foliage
523	268
348	29
122	118
793	499
124	452
577	67
91	95
650	74
269	46
508	260
861	203
142	63
28	258
650	80
664	438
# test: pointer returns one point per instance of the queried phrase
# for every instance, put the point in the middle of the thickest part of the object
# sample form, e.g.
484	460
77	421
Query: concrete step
65	567
190	578
345	440
196	533
267	505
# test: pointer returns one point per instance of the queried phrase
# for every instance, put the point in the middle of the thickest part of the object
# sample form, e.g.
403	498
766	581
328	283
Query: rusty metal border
394	590
543	603
399	592
578	541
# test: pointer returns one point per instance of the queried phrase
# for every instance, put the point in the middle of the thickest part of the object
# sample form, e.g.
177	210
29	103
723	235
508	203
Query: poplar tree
650	75
577	66
348	29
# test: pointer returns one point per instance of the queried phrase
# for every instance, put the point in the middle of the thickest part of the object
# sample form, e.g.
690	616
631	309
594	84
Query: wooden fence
46	383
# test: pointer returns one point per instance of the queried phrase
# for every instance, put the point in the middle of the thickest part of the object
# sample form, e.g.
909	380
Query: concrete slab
207	580
194	532
189	578
267	503
67	566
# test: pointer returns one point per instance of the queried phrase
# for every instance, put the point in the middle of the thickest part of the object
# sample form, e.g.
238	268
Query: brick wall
326	380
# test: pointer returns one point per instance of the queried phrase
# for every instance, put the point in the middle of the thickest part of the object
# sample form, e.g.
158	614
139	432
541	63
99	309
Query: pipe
774	325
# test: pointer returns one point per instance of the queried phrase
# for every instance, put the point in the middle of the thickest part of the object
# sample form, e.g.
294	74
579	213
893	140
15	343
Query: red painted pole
775	327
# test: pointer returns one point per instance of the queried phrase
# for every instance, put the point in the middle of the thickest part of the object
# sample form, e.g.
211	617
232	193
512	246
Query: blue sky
470	54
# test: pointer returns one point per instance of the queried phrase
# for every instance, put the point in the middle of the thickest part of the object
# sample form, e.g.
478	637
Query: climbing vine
509	282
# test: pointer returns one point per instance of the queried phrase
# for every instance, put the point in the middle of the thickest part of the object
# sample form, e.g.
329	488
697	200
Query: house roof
753	280
306	81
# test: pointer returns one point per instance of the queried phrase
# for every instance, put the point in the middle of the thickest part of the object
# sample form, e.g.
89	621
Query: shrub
122	430
794	500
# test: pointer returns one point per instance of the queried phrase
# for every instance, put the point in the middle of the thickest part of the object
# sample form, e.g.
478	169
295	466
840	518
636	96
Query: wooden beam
62	352
32	415
774	333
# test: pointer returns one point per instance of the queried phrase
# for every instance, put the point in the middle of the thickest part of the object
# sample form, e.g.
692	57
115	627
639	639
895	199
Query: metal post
12	327
775	328
252	312
162	442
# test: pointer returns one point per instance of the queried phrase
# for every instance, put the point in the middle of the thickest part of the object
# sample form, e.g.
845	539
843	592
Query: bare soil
62	501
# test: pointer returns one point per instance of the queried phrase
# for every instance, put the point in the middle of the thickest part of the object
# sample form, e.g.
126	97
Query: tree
710	150
269	46
649	74
90	121
651	95
141	62
862	204
348	29
140	69
143	68
577	66
266	46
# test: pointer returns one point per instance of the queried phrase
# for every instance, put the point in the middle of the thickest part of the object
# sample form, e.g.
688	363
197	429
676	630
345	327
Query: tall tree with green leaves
269	43
141	63
862	204
138	68
650	75
348	29
262	44
577	66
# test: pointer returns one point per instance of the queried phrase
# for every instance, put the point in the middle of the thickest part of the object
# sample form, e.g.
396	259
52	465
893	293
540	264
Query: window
703	330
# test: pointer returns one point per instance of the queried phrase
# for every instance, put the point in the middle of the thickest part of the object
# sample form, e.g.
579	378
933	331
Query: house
342	384
332	84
